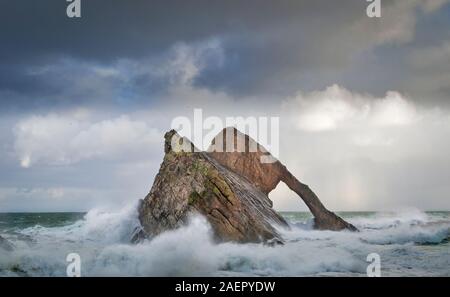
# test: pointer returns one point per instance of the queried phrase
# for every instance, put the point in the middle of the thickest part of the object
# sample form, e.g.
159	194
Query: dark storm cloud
256	33
109	29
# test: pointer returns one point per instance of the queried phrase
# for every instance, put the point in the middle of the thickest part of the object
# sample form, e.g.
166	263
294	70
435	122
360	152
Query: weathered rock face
229	188
194	182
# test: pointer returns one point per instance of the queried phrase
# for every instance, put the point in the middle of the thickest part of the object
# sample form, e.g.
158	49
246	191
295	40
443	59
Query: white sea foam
392	219
101	239
97	225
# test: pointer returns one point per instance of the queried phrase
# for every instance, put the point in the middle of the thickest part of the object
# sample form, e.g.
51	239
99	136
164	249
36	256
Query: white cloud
359	152
377	153
187	61
392	110
336	108
179	66
64	139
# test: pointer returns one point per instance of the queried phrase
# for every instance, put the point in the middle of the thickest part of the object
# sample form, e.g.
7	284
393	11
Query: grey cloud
269	48
430	72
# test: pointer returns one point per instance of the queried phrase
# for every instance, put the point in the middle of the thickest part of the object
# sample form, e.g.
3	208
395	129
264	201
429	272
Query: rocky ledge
229	188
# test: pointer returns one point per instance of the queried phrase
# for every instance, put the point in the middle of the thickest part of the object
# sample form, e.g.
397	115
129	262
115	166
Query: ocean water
410	243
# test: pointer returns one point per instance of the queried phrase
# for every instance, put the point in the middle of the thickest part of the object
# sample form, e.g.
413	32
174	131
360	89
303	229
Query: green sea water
17	221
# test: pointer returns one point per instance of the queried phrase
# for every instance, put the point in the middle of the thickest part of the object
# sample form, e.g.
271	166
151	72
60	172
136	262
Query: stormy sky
364	103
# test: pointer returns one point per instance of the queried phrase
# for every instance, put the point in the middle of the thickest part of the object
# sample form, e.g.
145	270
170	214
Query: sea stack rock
194	182
230	189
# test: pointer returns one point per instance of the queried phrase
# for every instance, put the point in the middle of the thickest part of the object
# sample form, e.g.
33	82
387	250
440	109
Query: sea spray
101	239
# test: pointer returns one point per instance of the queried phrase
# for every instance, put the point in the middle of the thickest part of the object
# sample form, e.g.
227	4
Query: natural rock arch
228	188
266	176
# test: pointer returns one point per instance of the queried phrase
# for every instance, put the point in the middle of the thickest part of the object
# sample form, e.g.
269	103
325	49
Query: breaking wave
409	243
